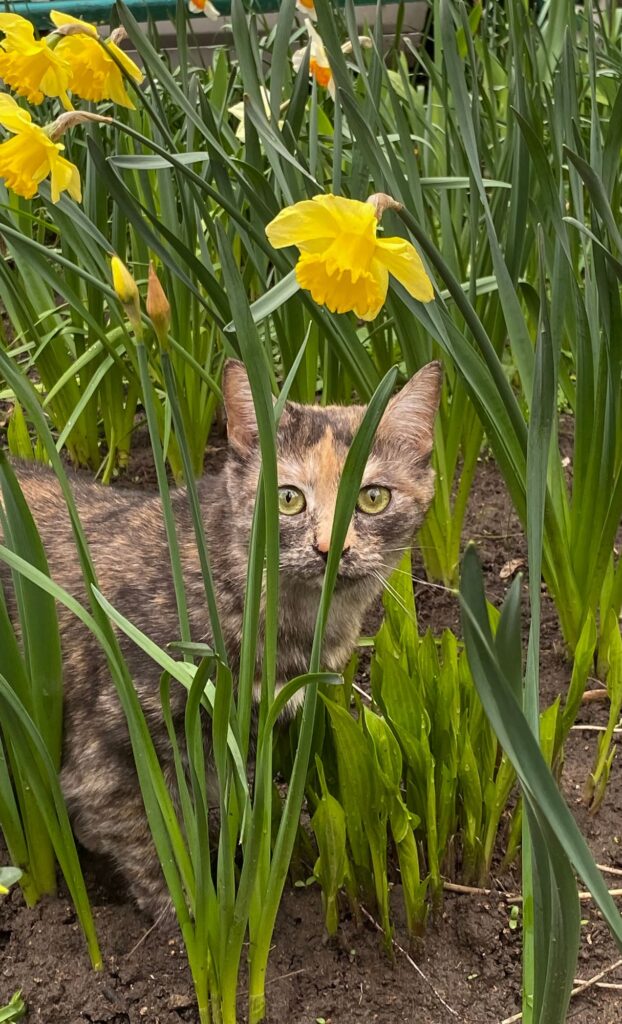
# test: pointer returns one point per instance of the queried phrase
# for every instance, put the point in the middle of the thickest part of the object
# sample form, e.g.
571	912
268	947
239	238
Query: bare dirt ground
467	969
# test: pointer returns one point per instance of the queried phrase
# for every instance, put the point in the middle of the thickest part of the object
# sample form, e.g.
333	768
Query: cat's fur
128	544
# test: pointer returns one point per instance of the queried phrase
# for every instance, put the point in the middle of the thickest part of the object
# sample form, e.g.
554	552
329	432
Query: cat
127	541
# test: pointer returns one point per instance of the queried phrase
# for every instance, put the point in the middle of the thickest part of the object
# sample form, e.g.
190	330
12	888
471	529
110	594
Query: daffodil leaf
156	163
272	300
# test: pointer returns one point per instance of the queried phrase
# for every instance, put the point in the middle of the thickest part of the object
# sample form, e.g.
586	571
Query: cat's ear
408	420
241	419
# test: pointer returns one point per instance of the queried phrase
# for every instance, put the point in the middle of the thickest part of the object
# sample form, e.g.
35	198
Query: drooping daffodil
34	153
342	263
319	64
95	73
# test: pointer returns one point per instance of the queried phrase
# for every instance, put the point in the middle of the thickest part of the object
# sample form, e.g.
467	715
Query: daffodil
204	7
307	7
30	66
319	66
95	73
237	111
32	155
342	263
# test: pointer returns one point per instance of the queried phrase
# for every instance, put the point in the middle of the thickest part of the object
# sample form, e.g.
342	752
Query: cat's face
312	445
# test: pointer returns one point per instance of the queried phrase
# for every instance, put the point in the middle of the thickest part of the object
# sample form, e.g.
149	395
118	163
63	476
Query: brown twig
512	897
594	728
416	967
581	987
609	871
590	695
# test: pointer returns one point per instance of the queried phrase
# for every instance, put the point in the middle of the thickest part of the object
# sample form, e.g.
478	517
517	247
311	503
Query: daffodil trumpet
97	65
342	263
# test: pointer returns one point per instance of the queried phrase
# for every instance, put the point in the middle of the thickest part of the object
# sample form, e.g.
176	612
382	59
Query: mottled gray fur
128	544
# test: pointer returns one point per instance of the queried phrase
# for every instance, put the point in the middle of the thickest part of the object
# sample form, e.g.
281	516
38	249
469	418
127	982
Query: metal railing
38	11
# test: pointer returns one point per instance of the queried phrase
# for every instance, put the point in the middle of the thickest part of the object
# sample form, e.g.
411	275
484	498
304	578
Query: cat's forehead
327	431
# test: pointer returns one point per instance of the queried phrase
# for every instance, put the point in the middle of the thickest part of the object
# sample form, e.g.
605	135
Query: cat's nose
322	550
323	553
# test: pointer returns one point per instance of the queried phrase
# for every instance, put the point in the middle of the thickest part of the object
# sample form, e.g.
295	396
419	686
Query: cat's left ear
241	419
408	420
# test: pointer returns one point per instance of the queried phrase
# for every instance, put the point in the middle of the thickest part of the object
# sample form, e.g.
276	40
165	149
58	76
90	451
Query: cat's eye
373	499
291	501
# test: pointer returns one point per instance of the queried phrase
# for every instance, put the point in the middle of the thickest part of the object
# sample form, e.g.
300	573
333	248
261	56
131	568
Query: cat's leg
108	817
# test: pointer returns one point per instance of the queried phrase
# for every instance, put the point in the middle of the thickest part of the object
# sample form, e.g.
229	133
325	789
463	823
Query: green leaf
516	737
14	1010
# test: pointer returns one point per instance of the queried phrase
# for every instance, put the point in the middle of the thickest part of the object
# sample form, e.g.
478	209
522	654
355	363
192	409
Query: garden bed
469	961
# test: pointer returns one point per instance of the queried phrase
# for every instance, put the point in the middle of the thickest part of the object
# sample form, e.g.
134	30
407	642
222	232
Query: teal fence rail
100	10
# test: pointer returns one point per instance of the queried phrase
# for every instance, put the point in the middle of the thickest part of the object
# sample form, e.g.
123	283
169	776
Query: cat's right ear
241	419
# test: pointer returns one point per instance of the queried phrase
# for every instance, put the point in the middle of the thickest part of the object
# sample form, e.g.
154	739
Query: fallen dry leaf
509	568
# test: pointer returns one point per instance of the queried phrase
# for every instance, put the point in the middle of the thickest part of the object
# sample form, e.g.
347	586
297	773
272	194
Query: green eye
291	501
373	499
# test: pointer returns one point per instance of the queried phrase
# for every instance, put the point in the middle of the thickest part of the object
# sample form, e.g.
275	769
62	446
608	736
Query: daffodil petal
302	222
12	116
16	26
126	62
353	216
404	262
59	19
297	57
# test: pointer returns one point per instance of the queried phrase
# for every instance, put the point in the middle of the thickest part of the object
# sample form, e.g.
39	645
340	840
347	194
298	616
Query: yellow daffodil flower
32	155
29	66
307	7
342	263
95	75
205	7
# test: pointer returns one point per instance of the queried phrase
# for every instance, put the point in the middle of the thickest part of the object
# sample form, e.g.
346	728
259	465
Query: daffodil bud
158	307
127	292
124	284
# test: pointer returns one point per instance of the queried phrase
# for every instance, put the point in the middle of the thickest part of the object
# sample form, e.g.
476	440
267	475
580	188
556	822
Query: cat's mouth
312	573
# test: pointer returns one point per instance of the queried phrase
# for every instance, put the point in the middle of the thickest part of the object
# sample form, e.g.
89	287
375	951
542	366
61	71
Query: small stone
179	1001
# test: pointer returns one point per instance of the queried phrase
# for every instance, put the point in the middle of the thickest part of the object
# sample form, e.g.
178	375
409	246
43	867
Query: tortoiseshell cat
128	544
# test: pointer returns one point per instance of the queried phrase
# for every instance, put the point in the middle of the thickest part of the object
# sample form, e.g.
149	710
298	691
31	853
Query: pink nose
322	545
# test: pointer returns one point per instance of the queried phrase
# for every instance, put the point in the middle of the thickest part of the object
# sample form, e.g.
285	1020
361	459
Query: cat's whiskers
422	582
394	594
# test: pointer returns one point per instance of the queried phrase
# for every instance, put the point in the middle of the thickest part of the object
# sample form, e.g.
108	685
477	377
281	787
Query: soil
468	966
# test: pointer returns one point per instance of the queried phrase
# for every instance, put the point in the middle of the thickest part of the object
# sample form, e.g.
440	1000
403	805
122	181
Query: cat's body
127	541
